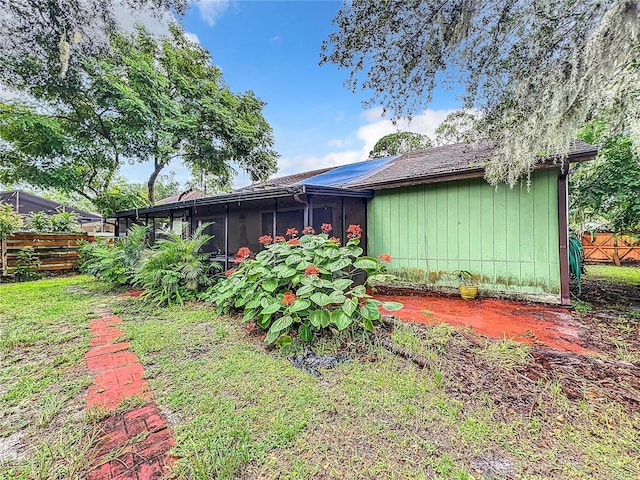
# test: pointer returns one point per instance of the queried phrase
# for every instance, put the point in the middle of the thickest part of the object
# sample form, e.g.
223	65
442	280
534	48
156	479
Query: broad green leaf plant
175	269
304	285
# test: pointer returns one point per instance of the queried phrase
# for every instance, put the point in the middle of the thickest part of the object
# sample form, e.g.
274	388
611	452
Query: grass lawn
611	273
240	411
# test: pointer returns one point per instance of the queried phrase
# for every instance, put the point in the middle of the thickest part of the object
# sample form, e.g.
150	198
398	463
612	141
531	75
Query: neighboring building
25	203
185	196
431	210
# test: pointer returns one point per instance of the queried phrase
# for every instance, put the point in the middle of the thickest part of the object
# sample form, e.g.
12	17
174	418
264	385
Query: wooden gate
56	251
608	248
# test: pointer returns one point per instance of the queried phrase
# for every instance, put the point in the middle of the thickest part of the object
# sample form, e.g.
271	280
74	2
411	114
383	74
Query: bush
304	284
175	269
27	264
114	263
9	220
62	221
39	222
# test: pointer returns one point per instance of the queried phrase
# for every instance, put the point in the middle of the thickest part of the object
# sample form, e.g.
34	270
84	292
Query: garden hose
575	261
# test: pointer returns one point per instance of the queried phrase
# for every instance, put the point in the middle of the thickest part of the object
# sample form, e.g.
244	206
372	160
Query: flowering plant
306	285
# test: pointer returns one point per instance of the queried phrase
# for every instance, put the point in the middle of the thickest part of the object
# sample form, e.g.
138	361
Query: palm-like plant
115	263
175	269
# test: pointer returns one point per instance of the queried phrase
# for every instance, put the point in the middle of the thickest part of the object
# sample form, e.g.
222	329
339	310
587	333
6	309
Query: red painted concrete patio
553	327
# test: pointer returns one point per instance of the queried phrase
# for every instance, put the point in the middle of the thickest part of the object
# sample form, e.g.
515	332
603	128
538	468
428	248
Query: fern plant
115	263
175	269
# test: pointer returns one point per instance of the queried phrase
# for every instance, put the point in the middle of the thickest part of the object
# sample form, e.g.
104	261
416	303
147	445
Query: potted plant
468	290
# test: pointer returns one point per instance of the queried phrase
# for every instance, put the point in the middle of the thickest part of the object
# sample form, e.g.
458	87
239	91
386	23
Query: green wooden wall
508	238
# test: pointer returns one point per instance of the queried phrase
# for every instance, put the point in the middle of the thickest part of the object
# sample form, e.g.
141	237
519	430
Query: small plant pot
468	292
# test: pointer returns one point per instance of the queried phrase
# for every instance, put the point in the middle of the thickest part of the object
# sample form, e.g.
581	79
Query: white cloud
275	39
210	10
154	21
192	37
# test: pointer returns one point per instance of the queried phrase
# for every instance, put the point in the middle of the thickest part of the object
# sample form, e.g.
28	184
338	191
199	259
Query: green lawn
239	411
611	273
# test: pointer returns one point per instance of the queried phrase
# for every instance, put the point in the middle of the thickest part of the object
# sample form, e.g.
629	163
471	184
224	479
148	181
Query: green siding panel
508	237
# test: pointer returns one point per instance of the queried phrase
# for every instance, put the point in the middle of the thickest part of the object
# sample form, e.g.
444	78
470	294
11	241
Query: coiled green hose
576	255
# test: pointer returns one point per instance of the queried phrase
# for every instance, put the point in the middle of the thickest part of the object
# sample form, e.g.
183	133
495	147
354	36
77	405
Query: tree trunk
152	181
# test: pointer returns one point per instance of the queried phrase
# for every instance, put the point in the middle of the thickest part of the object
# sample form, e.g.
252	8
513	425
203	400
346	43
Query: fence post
3	253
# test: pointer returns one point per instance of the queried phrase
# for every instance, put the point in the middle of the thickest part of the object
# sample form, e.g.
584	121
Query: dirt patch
12	448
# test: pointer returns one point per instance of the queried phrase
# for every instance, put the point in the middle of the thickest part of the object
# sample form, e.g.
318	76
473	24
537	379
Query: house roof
25	203
444	163
448	162
294	179
185	196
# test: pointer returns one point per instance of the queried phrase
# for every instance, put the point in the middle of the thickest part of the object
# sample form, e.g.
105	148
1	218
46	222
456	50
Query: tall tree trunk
152	181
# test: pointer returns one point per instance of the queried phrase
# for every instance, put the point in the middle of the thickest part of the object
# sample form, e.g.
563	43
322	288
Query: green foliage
464	277
304	285
457	127
175	269
115	263
399	143
607	187
27	264
64	221
535	72
61	221
9	220
144	99
39	222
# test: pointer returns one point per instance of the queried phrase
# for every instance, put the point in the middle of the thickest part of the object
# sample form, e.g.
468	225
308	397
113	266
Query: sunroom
237	219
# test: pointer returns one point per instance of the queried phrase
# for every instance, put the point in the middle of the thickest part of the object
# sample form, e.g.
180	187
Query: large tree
608	188
58	33
144	99
399	143
537	71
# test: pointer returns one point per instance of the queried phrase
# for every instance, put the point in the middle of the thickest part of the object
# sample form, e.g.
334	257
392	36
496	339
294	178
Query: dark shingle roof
446	162
284	181
182	197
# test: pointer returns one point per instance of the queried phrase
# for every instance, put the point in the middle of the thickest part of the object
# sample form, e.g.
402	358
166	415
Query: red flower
354	231
311	270
385	257
288	298
308	230
242	254
279	238
326	227
294	241
291	232
265	239
335	240
229	272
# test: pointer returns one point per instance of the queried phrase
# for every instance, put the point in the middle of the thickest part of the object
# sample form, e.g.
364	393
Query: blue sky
273	48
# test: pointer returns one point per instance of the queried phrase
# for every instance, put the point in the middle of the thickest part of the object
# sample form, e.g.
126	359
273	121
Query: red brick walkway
132	445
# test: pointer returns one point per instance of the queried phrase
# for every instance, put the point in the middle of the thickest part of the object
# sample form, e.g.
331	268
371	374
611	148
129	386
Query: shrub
9	220
175	269
64	221
304	283
39	222
61	221
114	263
27	264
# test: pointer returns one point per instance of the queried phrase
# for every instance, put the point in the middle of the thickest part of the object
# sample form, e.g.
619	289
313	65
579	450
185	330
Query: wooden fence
608	248
56	251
